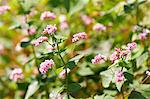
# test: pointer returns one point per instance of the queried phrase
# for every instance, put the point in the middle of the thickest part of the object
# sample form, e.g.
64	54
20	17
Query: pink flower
47	15
78	36
118	54
3	9
50	29
63	25
86	19
119	76
38	41
114	56
44	66
99	27
98	58
31	31
142	36
131	46
16	74
62	74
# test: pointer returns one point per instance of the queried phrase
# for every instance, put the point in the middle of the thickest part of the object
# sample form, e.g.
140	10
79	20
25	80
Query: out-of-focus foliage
85	80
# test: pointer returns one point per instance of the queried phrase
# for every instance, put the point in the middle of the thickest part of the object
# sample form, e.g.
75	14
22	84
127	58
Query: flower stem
64	63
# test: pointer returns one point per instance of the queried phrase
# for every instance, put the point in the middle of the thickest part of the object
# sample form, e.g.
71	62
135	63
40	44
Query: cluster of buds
118	53
78	36
44	66
86	19
62	74
119	76
16	74
38	41
143	35
47	15
50	29
98	58
63	22
99	27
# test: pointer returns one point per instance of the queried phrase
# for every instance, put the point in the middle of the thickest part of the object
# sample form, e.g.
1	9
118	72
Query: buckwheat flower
98	58
3	9
44	66
47	15
131	46
64	25
62	74
148	73
78	36
38	41
54	95
50	29
16	74
114	56
142	36
86	19
31	31
119	76
99	27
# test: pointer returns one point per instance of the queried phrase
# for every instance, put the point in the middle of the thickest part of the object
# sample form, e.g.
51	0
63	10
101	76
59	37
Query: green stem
64	63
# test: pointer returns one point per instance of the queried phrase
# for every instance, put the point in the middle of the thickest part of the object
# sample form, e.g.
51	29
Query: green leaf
85	71
129	77
107	77
78	6
77	58
32	88
74	87
136	95
71	64
25	44
119	85
59	70
140	60
67	5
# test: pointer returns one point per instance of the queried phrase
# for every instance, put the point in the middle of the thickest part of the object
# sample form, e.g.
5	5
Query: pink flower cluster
99	27
143	35
63	22
44	66
16	74
131	46
3	9
62	74
64	25
78	36
121	53
50	29
86	19
31	31
98	58
38	41
119	76
47	15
